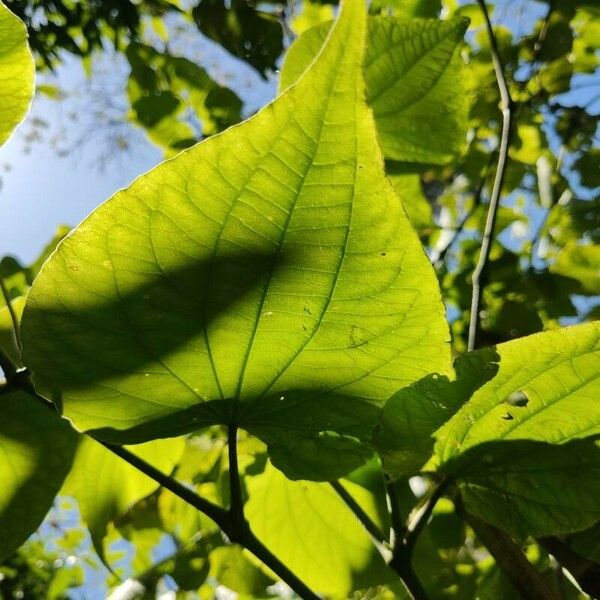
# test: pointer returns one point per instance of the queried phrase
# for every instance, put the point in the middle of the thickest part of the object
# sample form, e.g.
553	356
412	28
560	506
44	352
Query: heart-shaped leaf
267	270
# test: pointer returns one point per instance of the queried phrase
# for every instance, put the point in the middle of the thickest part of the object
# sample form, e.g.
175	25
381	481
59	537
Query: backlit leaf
523	444
267	270
413	84
314	533
17	73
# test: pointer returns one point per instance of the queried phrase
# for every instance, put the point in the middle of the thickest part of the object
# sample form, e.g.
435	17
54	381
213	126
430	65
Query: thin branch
212	511
506	107
584	571
460	228
401	561
509	558
359	513
13	315
419	517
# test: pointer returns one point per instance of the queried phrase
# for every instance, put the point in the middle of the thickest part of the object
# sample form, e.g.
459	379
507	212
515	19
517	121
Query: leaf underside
17	73
266	277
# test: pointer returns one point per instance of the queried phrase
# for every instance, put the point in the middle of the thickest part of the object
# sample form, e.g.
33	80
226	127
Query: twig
460	228
13	315
585	571
359	513
506	107
401	561
419	517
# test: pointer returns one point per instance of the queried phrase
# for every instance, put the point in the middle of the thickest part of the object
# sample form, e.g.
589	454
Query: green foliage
275	240
163	89
16	73
274	278
412	67
31	475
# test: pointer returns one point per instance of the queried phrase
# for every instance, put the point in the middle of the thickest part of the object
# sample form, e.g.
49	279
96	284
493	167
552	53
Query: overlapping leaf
265	270
413	84
17	73
524	442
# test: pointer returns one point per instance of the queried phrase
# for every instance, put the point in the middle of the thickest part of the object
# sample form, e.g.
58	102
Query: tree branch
509	558
359	513
401	561
506	107
223	518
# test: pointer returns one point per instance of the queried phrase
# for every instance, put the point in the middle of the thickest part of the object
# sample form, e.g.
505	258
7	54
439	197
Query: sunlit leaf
17	73
295	518
404	437
412	68
267	272
532	365
520	443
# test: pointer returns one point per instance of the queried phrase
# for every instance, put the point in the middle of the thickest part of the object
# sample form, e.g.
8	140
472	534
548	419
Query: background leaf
412	68
36	451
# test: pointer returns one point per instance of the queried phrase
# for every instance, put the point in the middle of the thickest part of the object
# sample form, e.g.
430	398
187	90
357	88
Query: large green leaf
266	272
17	73
309	528
36	450
523	445
413	84
105	486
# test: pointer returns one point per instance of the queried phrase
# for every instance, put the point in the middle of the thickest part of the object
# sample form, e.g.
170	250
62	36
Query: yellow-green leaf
17	73
267	269
413	75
